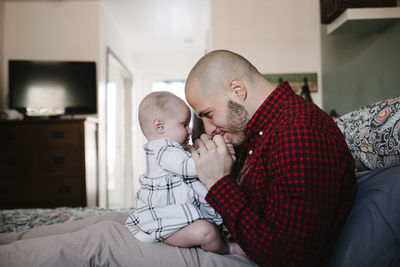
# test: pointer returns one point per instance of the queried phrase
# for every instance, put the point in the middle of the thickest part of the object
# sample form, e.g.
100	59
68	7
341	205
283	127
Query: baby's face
177	125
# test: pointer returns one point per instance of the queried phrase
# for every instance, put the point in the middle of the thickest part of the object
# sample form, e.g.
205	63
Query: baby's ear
158	126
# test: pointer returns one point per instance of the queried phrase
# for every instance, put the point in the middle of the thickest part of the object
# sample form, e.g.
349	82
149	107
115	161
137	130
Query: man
286	196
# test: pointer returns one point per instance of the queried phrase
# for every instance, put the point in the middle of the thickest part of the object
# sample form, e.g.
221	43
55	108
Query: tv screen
49	88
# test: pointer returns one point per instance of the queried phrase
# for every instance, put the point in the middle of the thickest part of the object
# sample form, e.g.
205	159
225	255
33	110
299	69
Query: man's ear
158	126
238	88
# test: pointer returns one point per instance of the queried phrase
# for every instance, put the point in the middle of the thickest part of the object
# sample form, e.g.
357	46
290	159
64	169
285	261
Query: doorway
118	132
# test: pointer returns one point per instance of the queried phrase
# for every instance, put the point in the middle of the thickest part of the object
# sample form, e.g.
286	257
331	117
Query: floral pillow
373	134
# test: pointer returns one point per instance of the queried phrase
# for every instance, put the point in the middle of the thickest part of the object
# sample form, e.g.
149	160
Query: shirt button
250	152
260	133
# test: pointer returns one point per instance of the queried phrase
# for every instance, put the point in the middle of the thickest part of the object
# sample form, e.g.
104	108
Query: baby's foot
236	249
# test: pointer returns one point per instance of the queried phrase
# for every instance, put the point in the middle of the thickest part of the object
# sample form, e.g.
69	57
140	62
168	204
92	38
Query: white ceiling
159	25
162	25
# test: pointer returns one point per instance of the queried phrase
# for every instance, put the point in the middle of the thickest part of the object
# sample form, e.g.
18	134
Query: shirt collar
269	109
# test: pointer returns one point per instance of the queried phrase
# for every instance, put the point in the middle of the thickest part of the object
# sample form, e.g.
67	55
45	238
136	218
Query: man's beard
237	118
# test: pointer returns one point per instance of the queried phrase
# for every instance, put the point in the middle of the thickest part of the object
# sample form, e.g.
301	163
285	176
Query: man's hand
213	159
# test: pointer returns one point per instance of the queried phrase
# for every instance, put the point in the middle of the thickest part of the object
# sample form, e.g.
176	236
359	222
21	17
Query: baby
171	206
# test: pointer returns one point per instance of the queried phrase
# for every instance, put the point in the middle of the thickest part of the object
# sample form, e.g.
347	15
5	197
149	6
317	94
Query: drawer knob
64	189
11	161
5	190
10	136
58	160
58	134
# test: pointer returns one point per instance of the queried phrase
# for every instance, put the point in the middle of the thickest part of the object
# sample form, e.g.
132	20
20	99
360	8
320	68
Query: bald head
214	70
156	105
222	77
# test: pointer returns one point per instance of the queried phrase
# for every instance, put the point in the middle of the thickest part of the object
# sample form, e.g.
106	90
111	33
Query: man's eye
208	115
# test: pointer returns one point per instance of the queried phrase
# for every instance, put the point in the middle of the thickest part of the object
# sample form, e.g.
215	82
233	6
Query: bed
16	220
371	234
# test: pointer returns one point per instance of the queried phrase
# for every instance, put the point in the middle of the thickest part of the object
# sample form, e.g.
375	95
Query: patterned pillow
373	134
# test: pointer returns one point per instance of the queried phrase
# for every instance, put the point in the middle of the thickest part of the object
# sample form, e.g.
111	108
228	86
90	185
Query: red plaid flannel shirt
292	186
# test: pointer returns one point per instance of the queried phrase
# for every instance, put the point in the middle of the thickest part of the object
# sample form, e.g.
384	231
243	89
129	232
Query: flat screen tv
52	88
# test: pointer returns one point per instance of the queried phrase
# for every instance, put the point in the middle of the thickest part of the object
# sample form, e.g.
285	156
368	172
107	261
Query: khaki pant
100	241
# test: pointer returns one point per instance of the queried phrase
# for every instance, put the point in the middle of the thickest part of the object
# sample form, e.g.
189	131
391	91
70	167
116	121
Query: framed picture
296	80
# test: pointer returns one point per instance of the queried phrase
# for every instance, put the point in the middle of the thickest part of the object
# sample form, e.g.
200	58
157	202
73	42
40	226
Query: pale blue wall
359	69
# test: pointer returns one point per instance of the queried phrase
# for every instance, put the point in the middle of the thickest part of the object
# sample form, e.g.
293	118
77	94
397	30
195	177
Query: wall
360	69
48	30
277	36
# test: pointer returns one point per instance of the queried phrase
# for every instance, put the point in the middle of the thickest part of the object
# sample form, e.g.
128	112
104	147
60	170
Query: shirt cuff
226	197
213	191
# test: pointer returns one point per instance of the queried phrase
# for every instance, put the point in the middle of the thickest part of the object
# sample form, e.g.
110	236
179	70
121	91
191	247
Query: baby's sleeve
177	161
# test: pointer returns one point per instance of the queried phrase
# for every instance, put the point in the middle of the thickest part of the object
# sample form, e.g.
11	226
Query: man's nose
209	127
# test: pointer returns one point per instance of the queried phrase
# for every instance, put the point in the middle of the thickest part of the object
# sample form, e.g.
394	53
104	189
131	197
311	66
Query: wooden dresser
48	163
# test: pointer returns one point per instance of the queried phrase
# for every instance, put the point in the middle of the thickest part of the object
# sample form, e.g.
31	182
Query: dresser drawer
62	160
16	162
66	134
41	134
63	190
12	134
43	162
35	194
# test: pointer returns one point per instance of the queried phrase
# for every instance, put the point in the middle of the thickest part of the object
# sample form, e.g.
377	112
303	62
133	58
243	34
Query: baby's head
164	115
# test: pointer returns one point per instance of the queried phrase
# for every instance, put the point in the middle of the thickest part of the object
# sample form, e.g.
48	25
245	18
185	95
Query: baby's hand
189	148
230	147
228	144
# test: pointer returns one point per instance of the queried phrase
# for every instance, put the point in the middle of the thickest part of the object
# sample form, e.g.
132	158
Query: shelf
364	20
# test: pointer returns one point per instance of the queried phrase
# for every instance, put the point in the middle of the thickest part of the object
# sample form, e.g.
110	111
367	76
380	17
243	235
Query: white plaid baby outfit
170	196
